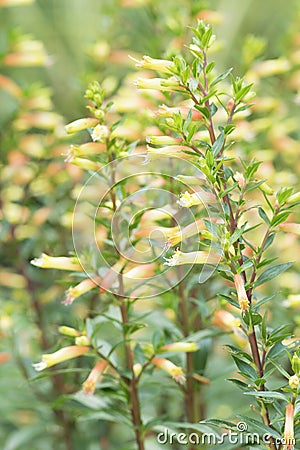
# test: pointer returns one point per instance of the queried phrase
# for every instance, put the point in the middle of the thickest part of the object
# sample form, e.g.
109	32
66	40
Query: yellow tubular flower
158	84
200	257
185	347
89	384
188	200
176	372
225	320
64	354
241	293
163	140
188	231
172	151
165	111
56	262
161	65
81	288
81	124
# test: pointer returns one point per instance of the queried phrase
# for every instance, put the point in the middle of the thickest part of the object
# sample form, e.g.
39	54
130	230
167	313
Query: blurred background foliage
49	51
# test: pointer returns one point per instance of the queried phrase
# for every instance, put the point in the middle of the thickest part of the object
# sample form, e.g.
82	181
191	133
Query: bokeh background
49	51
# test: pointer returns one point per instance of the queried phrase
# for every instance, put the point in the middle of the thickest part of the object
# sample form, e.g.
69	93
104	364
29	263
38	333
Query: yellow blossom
199	257
188	200
185	347
63	354
56	262
84	286
176	372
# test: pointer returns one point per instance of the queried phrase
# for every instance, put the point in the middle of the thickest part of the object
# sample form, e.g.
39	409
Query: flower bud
69	331
185	347
100	133
294	382
82	340
81	124
295	198
264	187
296	364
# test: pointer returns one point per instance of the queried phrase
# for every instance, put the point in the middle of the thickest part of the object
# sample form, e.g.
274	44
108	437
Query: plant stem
131	382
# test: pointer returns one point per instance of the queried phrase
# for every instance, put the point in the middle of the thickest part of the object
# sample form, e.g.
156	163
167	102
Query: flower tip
39	366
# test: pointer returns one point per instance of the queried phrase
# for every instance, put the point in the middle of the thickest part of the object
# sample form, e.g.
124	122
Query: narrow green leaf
272	272
221	77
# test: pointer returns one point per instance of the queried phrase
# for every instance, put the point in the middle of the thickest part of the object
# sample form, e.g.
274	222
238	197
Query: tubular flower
155	231
176	372
289	440
63	354
81	124
90	148
293	228
156	214
89	384
188	231
165	111
161	65
81	288
163	140
172	151
187	200
185	347
69	331
140	272
85	164
225	320
158	84
199	257
56	262
241	293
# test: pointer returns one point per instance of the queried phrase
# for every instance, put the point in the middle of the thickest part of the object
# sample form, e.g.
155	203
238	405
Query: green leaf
221	77
245	368
281	217
268	394
205	111
272	272
260	427
218	144
263	215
